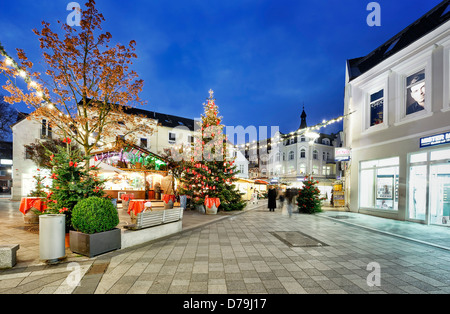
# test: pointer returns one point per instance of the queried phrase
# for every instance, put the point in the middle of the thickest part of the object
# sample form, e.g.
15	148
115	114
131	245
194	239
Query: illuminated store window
379	184
429	187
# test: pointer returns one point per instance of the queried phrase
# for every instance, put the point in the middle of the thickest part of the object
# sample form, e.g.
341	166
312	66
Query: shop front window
379	184
440	194
429	187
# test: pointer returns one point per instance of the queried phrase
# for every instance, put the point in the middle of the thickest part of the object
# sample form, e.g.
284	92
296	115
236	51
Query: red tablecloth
136	206
127	197
32	202
209	202
167	197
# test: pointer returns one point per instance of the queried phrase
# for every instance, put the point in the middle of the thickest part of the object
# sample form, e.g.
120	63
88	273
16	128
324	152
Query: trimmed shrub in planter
95	220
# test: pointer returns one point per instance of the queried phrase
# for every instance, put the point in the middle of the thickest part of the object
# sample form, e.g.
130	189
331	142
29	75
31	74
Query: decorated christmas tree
39	188
71	181
210	172
309	197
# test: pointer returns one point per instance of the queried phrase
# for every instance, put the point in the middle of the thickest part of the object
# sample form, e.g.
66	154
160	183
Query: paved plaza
253	252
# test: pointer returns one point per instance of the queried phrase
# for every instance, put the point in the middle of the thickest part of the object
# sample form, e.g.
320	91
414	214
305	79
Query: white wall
399	133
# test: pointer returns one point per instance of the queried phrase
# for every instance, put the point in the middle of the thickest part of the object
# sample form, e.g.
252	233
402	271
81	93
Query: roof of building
167	120
424	25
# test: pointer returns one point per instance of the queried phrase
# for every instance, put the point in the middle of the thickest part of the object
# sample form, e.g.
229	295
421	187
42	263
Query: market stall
132	170
245	187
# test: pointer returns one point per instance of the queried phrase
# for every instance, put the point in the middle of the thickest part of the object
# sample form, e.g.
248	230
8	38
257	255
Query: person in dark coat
272	197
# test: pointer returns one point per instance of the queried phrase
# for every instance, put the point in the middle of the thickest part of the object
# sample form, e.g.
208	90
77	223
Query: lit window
376	108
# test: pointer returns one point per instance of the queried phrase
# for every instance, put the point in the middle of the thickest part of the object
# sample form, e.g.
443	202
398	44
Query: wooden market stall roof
257	181
122	145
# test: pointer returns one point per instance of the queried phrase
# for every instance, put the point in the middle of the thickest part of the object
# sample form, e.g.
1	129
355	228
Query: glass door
440	194
417	192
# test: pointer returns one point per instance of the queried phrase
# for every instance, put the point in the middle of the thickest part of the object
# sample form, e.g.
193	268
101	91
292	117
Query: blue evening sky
264	59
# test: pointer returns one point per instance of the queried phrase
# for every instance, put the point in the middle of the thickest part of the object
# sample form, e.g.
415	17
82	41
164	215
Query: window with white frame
446	45
302	168
302	153
143	142
412	78
172	137
375	103
291	155
326	170
46	129
277	156
376	108
315	169
415	88
315	154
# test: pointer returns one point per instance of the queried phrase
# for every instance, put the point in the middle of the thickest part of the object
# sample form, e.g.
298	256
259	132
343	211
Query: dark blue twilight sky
264	59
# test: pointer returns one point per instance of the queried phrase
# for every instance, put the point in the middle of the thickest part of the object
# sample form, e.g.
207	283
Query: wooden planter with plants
94	220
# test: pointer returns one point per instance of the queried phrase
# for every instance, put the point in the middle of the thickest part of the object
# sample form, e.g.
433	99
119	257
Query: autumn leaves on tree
88	83
86	95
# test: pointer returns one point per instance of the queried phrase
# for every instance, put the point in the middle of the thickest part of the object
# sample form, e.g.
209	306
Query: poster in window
415	90
376	108
385	187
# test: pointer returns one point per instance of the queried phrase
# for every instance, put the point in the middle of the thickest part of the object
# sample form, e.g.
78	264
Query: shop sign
342	154
433	140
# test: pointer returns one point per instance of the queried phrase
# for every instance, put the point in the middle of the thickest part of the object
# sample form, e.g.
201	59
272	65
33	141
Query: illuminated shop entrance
429	202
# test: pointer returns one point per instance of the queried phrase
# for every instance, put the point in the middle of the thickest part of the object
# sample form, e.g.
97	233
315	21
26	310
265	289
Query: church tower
303	121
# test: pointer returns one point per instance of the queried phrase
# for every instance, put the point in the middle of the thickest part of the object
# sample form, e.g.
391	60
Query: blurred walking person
290	200
272	199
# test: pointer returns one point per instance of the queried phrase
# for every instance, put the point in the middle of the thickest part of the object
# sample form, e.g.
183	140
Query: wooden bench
152	218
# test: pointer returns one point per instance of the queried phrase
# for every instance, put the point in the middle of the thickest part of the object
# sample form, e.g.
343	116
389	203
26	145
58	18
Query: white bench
148	219
8	255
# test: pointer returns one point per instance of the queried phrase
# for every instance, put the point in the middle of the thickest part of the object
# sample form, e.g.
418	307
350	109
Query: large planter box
96	243
211	210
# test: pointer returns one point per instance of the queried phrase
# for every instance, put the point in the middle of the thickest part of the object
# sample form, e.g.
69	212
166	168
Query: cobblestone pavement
254	252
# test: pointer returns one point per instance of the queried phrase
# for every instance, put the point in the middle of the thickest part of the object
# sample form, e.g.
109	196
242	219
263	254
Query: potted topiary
94	220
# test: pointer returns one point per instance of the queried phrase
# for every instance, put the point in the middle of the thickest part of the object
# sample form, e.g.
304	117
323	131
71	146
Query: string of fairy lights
19	71
307	132
39	91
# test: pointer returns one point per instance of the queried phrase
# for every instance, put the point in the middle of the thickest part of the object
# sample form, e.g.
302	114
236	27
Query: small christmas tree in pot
308	198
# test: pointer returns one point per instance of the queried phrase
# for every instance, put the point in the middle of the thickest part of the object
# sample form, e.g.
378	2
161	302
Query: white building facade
167	131
399	126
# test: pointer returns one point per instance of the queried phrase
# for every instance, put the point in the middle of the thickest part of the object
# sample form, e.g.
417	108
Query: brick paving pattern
241	255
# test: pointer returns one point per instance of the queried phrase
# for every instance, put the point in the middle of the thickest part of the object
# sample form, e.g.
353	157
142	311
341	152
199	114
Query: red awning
261	182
